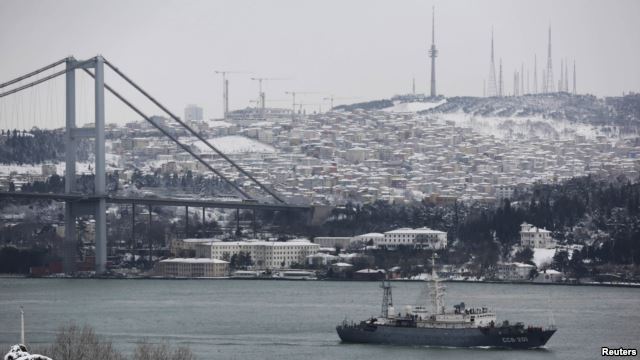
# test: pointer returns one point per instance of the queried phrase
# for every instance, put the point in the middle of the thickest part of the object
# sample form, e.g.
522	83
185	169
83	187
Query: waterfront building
189	267
264	254
422	237
514	271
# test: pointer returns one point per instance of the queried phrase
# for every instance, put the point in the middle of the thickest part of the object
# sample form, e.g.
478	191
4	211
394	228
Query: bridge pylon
73	134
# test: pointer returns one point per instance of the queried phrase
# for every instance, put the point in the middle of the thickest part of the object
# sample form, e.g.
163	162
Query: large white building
265	254
533	237
190	267
422	237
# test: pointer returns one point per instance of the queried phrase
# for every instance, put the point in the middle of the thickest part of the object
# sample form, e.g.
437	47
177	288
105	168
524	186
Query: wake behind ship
460	327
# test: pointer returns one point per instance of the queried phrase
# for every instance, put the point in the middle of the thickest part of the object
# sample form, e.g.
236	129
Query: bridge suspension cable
193	132
39	81
167	134
33	73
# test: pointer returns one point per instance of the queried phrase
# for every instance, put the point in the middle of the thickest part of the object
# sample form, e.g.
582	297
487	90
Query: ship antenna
22	326
387	298
437	290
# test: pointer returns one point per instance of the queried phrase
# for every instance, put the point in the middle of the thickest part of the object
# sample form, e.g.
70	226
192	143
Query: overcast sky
362	49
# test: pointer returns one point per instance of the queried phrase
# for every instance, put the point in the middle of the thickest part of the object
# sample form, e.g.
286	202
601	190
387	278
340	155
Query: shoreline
620	285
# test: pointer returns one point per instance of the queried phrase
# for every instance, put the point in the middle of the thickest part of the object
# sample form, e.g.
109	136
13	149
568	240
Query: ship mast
387	298
22	326
437	289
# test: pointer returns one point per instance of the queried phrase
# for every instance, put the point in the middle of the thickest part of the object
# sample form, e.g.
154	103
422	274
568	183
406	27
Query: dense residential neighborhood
435	164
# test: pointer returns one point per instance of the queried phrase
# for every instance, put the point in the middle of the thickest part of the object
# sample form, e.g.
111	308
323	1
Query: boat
296	275
439	327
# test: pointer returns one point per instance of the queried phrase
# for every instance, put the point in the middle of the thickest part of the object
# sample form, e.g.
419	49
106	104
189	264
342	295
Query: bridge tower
97	205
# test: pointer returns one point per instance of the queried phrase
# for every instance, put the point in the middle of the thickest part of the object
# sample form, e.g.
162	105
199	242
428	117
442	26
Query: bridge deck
153	201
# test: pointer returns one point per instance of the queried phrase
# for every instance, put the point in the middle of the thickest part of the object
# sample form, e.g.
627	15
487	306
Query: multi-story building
189	267
193	113
514	271
533	237
264	254
422	237
332	241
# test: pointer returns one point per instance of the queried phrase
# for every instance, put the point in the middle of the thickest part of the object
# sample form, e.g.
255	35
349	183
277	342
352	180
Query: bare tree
81	343
75	343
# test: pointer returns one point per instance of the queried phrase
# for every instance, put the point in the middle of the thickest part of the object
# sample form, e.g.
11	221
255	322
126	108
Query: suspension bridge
94	204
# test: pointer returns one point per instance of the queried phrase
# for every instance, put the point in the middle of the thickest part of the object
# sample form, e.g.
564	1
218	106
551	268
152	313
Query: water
243	319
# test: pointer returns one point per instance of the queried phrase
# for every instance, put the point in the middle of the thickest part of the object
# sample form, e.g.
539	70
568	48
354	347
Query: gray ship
459	327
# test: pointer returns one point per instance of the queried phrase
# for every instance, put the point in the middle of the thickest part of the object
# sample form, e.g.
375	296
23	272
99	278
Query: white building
265	254
332	241
189	267
193	113
514	271
533	237
373	238
421	237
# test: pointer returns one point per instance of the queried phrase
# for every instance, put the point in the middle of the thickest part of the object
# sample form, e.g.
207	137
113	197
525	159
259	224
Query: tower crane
225	88
293	97
261	94
331	98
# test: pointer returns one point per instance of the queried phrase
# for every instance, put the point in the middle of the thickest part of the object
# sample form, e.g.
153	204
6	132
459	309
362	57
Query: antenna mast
433	52
22	326
387	298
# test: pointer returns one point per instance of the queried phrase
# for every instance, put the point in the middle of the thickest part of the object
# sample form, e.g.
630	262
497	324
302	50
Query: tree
576	265
560	260
525	256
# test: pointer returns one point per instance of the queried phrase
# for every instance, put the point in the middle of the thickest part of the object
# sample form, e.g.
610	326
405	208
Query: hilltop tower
492	86
500	83
574	77
535	74
566	76
433	53
549	73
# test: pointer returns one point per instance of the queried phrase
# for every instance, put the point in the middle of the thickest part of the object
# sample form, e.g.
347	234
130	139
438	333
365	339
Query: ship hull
439	337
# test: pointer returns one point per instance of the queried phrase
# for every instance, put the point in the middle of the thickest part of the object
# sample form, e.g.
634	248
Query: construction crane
261	94
225	88
300	105
332	98
293	97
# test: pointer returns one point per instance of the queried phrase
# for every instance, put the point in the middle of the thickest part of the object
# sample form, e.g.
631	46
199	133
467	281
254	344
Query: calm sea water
243	319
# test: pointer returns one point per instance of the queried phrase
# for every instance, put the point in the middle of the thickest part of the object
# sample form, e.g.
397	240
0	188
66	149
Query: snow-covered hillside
235	144
412	107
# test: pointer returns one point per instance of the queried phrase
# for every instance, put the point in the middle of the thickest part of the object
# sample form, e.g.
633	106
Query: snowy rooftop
424	230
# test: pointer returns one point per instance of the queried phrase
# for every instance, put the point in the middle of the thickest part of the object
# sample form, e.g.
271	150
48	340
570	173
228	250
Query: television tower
566	76
549	74
574	77
493	88
500	83
433	52
535	74
521	79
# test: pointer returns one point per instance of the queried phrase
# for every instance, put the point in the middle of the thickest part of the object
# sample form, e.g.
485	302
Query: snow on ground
235	144
410	107
543	256
525	126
